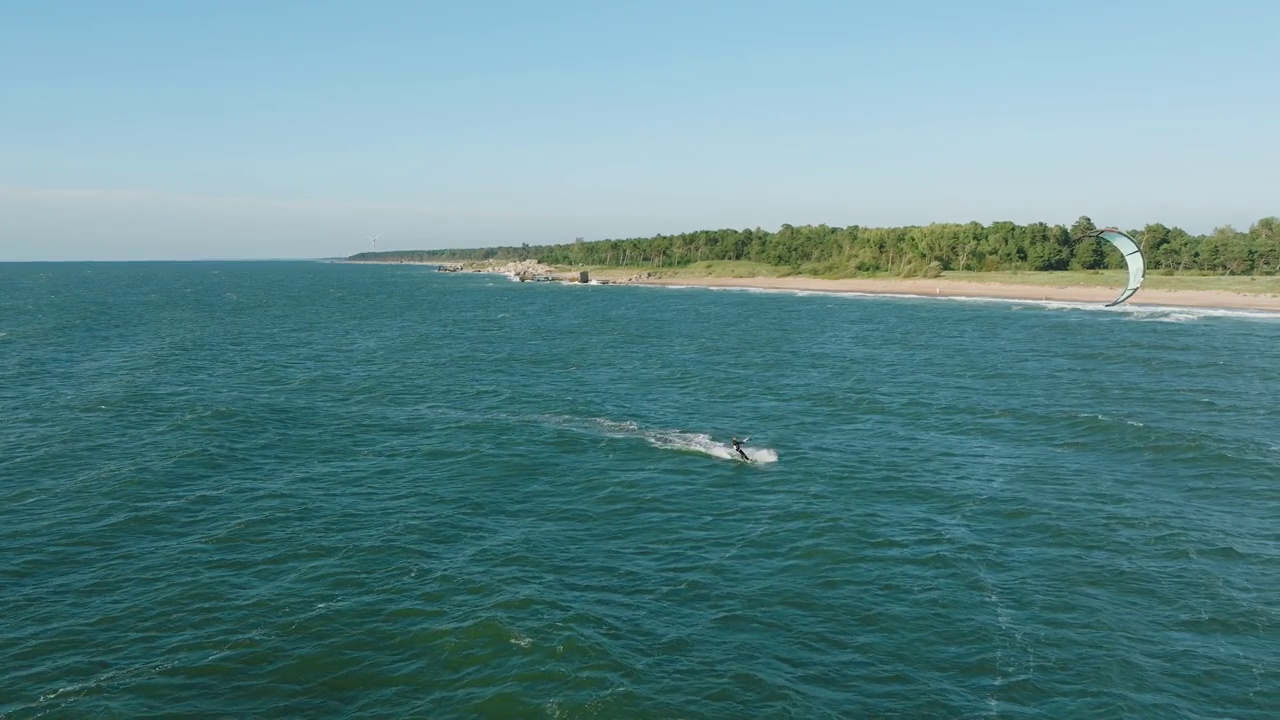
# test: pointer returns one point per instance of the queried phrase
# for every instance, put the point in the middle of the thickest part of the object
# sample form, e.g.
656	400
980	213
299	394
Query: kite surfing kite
1133	259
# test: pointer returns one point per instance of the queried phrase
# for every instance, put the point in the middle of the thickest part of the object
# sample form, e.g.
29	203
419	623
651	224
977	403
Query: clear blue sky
275	128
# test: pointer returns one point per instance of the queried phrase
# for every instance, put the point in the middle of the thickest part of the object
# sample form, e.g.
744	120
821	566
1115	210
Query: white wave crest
1156	313
1106	418
1138	312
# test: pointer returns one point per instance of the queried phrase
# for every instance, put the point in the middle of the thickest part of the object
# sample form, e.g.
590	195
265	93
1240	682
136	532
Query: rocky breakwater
522	270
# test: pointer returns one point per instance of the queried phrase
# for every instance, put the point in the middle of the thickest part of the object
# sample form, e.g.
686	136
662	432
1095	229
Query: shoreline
942	287
937	287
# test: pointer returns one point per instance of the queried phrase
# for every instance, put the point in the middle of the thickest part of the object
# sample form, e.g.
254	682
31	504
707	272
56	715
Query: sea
332	490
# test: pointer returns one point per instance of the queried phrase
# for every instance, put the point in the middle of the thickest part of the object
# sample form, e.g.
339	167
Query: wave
1109	419
1144	313
1172	314
1158	313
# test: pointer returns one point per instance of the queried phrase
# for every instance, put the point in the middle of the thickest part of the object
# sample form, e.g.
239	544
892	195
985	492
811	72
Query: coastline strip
943	287
953	288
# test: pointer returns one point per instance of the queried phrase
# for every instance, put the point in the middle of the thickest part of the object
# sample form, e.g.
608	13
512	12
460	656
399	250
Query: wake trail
684	441
703	443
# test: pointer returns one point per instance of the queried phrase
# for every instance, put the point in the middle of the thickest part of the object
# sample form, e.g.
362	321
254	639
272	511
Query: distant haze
251	130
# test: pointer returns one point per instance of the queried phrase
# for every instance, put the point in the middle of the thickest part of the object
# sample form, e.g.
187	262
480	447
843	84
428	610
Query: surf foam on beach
917	287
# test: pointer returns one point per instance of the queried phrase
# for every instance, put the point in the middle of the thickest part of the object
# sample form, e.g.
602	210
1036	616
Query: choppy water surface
321	490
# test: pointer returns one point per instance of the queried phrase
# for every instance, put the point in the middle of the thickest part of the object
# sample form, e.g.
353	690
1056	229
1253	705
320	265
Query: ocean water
264	490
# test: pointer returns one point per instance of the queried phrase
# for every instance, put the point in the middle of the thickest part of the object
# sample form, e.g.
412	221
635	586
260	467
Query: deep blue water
262	490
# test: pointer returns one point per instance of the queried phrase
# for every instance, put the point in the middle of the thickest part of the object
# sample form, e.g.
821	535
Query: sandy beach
952	288
939	287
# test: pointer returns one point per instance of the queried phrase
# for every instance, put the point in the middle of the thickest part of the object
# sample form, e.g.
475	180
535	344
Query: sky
197	130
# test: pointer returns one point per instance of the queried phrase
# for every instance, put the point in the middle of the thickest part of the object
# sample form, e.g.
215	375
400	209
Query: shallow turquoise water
321	490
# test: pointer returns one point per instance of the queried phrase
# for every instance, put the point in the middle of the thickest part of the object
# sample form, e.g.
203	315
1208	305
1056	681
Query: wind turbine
373	242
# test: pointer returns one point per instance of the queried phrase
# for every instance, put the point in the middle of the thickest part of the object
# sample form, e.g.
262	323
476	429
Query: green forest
926	250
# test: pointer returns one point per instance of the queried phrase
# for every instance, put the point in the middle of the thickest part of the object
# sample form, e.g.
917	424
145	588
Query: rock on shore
518	269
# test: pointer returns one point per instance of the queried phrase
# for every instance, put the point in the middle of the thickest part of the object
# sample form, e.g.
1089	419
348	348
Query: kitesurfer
737	445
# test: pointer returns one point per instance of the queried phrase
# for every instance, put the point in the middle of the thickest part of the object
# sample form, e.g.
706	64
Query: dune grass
1252	284
705	269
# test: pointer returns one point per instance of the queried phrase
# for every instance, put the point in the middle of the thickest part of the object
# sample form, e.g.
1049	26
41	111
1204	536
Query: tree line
906	251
